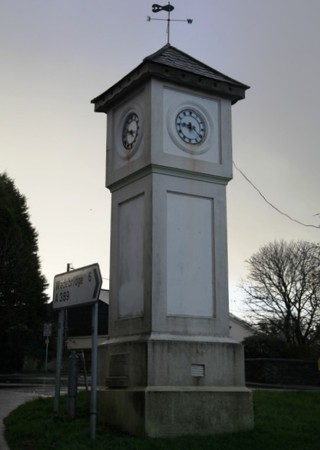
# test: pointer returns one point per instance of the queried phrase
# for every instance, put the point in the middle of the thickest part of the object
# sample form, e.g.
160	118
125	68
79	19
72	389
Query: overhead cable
269	203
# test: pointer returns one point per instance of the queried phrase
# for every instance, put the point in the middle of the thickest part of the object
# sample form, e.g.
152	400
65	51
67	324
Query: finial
157	8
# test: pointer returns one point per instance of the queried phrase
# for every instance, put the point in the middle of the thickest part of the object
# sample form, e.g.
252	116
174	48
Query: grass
283	420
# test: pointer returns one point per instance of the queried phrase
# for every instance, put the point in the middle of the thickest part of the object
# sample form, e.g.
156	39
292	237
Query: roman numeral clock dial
191	126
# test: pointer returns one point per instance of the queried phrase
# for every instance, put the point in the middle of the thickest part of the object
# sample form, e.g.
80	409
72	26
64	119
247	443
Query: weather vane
157	8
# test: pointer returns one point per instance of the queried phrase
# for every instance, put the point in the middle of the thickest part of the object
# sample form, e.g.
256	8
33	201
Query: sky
56	56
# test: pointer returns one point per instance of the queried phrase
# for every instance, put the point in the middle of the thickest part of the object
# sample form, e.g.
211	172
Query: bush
266	346
263	346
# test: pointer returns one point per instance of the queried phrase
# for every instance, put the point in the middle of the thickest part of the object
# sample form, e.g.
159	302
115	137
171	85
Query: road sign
47	329
78	287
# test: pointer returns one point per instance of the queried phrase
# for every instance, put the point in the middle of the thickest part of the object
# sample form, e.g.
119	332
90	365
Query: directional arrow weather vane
168	8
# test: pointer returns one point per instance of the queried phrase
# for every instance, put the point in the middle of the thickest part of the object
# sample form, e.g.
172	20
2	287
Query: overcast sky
55	56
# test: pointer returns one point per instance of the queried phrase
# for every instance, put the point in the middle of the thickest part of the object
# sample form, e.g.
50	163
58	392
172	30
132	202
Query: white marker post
71	289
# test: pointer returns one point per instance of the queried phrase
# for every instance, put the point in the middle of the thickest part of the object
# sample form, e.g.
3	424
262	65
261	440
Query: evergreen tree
22	286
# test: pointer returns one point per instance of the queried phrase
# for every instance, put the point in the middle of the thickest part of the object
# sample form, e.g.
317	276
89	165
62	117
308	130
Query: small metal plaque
197	370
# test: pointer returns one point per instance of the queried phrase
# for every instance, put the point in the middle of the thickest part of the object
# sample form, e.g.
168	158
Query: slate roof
172	57
171	64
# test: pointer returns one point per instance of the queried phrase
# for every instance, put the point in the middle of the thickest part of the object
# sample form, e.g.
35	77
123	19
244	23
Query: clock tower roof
171	64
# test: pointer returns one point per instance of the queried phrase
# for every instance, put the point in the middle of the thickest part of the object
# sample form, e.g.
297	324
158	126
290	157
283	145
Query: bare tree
283	290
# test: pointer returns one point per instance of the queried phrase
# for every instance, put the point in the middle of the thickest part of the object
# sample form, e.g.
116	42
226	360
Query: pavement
18	389
10	399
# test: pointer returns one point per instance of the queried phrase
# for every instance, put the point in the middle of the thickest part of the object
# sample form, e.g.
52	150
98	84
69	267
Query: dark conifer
22	286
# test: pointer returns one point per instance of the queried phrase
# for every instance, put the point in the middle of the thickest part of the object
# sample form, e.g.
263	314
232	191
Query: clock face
130	131
191	126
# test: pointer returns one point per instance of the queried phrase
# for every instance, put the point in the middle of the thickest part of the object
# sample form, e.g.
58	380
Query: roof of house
239	321
171	64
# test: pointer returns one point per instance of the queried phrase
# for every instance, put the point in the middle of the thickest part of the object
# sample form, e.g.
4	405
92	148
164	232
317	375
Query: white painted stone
130	257
168	412
169	313
176	99
189	255
157	103
212	292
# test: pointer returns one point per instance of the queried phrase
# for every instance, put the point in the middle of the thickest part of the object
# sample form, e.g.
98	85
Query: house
239	329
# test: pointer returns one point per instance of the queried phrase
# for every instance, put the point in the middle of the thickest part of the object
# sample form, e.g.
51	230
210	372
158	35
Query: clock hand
188	125
194	129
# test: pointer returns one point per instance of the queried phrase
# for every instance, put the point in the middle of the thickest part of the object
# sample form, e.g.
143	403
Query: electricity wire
269	203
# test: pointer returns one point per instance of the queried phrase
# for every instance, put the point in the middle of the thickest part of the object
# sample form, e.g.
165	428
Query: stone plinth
165	386
160	411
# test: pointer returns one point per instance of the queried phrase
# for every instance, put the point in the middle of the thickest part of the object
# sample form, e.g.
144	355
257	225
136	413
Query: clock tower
169	366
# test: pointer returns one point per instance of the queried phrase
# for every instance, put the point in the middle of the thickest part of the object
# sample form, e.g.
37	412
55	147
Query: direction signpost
74	288
78	287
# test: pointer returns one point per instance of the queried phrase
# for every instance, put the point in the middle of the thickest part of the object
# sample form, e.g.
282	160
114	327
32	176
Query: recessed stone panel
189	255
130	257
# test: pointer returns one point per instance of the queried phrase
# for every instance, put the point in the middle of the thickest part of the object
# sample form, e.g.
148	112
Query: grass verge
283	420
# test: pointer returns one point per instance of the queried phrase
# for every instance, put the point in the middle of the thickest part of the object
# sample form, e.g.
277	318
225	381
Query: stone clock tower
169	366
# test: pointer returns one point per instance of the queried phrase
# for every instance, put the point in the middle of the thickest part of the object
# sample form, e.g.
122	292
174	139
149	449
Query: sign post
78	287
58	363
94	361
47	332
